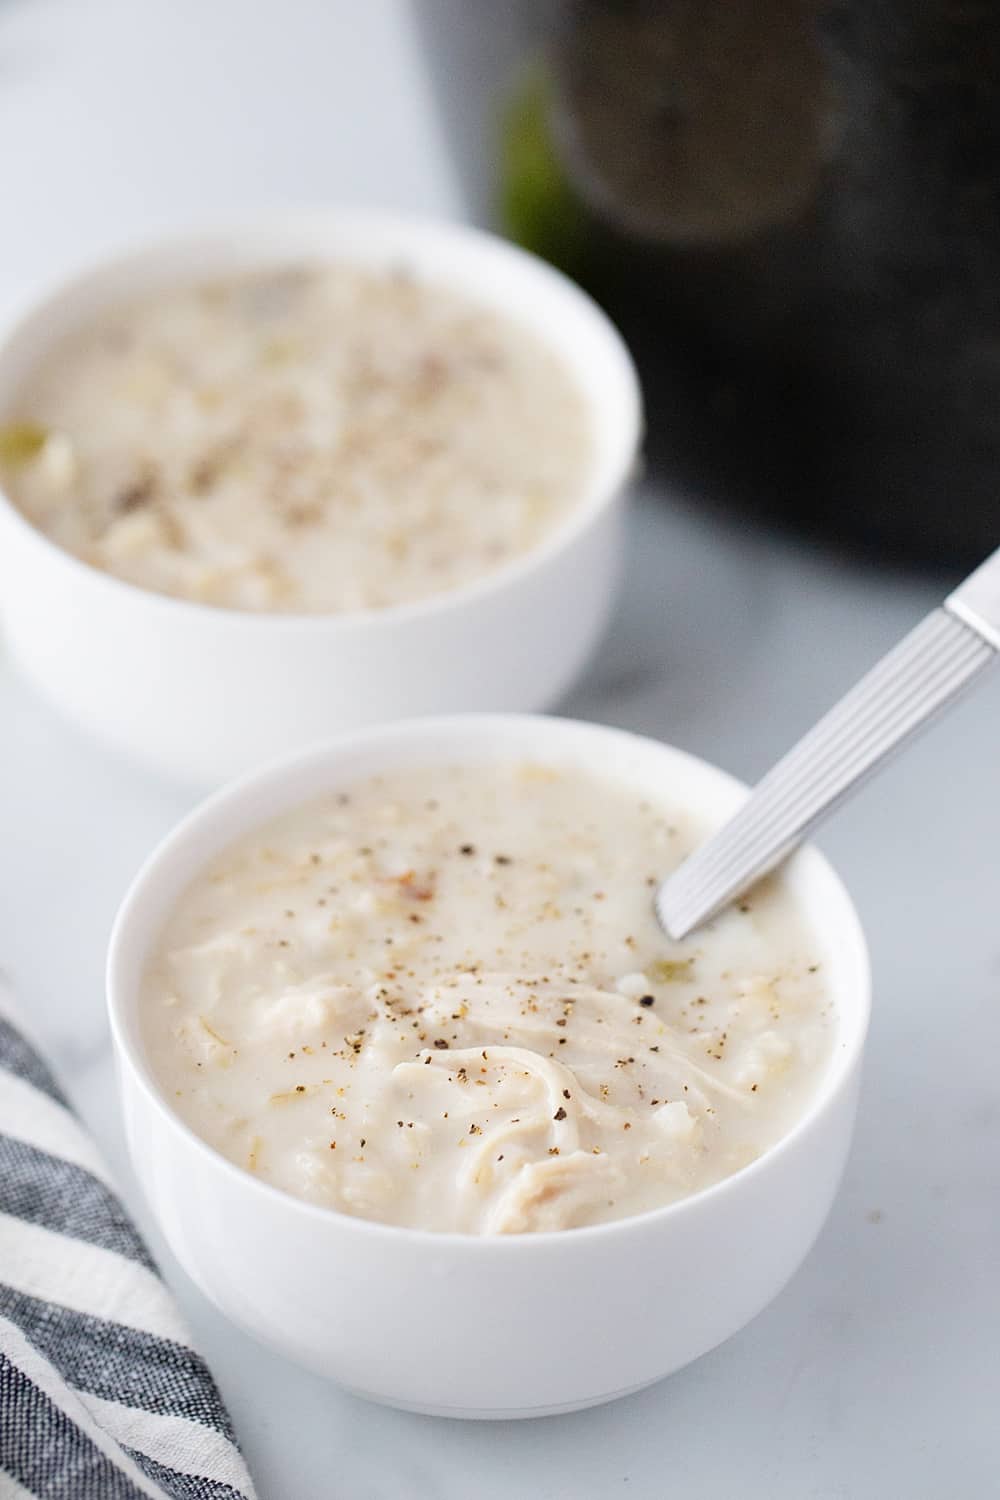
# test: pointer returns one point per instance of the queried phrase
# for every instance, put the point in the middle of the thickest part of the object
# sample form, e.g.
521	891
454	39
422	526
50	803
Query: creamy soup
440	998
309	439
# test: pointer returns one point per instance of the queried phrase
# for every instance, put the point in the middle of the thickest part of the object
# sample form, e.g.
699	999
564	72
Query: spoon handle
922	675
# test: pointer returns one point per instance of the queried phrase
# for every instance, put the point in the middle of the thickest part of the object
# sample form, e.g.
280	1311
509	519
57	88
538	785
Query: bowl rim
341	220
285	772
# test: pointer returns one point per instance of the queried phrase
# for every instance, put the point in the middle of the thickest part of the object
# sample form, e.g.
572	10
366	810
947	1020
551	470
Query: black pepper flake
300	1088
440	1041
135	496
502	859
566	1094
466	848
647	999
560	1114
562	1041
561	1021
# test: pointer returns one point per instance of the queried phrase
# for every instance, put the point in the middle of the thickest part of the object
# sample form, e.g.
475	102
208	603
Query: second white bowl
518	1325
202	692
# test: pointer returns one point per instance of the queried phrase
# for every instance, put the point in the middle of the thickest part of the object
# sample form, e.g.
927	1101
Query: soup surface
311	439
440	998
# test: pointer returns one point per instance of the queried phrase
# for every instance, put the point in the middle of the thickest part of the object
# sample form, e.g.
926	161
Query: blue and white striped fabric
101	1395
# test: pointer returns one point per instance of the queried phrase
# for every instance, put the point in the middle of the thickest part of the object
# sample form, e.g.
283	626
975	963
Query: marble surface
875	1373
143	117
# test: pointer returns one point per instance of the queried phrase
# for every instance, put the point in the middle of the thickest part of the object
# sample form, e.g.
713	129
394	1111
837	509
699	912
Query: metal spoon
917	679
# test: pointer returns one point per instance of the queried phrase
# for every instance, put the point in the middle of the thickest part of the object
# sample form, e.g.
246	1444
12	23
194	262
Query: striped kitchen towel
101	1395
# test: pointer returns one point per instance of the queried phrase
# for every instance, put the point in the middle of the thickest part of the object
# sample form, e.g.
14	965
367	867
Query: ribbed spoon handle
917	679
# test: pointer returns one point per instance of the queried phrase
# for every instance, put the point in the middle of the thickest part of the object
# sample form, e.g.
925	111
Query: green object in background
538	207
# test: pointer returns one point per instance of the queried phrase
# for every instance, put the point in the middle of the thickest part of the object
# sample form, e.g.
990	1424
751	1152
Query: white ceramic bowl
203	692
456	1324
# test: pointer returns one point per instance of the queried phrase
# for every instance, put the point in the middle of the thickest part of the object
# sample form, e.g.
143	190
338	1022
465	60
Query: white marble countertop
876	1372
